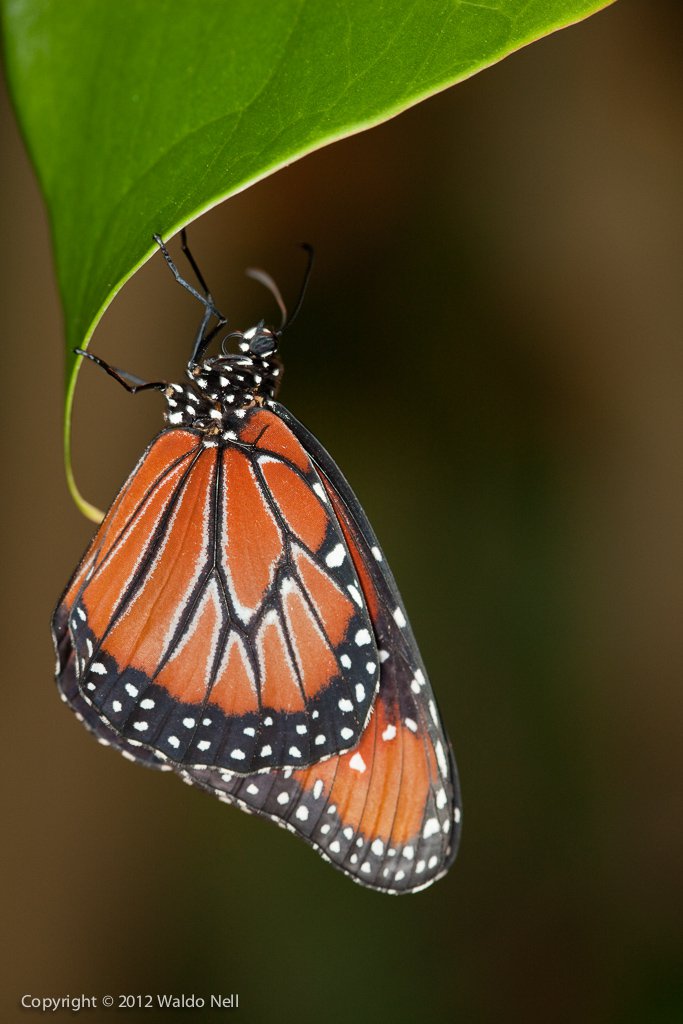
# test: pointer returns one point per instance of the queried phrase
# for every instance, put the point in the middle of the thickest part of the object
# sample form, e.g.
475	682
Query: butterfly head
260	341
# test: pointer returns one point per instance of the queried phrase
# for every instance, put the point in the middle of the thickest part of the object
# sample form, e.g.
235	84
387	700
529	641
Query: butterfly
234	621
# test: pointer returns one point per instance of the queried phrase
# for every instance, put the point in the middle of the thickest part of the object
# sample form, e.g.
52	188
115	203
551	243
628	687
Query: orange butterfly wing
217	618
387	810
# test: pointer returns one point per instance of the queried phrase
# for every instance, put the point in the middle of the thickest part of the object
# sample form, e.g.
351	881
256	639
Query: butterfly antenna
266	280
307	276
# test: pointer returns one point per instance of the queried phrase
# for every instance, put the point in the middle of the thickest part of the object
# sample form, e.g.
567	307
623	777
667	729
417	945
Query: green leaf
141	114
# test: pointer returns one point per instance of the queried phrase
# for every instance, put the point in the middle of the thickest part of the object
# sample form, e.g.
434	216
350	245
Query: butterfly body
220	390
234	620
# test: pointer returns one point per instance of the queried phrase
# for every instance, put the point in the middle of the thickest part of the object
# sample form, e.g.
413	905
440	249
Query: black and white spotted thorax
223	387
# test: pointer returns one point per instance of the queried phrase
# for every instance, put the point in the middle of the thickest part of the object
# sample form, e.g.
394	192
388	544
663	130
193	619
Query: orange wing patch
334	608
380	788
112	576
271	435
303	512
168	448
234	691
187	675
251	537
279	686
141	636
316	663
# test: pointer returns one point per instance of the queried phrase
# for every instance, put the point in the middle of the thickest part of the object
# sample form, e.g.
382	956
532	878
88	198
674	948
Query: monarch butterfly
234	620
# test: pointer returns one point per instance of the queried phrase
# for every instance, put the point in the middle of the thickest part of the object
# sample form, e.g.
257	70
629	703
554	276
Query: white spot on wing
336	556
441	758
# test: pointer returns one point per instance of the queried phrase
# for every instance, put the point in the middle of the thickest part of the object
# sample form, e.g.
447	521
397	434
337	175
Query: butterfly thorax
221	387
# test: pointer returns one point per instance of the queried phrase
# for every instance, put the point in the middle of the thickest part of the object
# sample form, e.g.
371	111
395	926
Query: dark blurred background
491	349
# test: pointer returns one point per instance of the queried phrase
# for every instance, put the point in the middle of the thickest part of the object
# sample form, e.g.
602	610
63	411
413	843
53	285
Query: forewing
217	618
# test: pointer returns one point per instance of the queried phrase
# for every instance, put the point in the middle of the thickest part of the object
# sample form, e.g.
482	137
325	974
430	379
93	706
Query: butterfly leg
203	339
129	381
197	272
